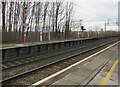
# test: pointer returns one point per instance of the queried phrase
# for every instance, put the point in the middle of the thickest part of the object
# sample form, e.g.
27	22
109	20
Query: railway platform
98	69
35	43
101	70
108	75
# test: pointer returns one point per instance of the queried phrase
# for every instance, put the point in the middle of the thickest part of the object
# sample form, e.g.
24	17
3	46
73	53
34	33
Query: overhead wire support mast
113	4
81	28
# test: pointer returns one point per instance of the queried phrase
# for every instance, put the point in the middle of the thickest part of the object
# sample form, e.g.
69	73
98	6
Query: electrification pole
106	23
105	26
81	28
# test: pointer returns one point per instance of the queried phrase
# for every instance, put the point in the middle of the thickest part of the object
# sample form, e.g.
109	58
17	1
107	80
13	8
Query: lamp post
24	22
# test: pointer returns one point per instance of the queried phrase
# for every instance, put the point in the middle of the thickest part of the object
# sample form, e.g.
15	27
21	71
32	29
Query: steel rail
52	63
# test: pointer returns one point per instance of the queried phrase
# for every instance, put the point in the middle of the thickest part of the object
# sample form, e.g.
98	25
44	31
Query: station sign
25	24
45	31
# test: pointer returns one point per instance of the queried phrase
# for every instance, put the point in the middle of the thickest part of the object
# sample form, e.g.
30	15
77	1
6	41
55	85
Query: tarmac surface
100	70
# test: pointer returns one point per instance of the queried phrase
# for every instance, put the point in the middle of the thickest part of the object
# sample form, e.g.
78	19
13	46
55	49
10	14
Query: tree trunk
3	20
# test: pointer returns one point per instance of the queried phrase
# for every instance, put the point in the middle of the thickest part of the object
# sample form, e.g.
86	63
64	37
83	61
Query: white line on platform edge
49	77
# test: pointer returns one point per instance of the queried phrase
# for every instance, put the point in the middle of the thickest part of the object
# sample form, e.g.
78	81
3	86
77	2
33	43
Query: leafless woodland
57	17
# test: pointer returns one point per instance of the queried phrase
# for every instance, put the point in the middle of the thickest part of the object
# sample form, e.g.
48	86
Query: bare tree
45	13
69	8
10	19
53	19
53	15
3	16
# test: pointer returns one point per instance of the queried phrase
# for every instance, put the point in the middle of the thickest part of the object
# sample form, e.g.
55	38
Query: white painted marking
49	77
24	60
29	59
37	56
4	66
11	64
17	62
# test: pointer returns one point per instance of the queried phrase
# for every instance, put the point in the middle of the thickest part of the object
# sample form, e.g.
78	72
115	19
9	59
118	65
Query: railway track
28	66
8	64
25	67
26	78
22	61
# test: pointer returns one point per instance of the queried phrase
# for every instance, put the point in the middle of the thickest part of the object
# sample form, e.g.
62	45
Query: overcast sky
96	12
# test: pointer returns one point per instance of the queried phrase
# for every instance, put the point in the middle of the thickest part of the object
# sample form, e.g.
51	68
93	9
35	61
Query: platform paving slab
84	72
113	80
64	82
74	78
80	72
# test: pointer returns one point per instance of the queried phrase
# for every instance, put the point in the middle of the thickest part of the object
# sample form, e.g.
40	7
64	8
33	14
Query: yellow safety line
105	80
43	86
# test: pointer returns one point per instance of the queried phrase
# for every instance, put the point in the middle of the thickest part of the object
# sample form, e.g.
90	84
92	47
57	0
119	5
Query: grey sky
94	12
